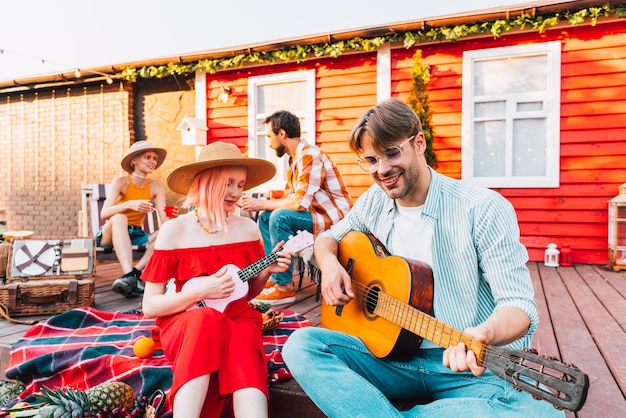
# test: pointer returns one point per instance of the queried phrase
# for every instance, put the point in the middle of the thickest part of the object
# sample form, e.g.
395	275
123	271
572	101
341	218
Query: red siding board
568	189
563	216
595	135
559	203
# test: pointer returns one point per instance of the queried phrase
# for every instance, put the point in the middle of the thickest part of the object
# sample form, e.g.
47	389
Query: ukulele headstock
300	241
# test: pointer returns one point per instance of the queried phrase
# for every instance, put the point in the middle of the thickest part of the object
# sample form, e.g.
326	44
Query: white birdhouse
193	131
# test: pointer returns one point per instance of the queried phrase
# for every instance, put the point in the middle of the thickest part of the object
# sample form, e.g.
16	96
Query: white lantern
551	256
617	230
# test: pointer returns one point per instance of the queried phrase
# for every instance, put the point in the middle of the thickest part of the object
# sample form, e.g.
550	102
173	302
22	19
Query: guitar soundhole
371	299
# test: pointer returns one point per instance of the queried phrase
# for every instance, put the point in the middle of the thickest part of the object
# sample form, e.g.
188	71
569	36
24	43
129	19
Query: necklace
137	175
204	228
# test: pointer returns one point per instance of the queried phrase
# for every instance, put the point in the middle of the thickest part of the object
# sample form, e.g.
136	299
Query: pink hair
207	193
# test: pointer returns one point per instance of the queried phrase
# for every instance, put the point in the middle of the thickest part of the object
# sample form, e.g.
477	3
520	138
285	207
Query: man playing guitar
469	237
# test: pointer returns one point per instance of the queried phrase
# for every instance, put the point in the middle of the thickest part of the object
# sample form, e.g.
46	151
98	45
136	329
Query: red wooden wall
593	125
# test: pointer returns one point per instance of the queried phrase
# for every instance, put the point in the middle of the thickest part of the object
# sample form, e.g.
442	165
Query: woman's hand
139	205
216	286
282	262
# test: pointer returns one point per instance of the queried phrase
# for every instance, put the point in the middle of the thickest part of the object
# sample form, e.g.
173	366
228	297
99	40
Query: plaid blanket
85	347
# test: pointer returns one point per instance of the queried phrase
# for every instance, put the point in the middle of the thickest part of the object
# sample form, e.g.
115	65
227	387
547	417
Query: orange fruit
144	347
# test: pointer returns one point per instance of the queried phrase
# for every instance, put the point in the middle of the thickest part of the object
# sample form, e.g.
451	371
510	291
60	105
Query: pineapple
71	403
114	394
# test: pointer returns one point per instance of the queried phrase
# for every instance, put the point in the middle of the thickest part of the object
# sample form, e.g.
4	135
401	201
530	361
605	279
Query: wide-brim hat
219	154
139	147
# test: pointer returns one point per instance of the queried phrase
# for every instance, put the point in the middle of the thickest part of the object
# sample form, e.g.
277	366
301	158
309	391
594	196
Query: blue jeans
345	380
279	225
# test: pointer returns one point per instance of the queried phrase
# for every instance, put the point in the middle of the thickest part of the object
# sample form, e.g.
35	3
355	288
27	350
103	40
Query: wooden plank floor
582	310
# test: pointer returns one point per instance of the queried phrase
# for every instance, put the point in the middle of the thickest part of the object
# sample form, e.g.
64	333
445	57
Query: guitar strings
406	313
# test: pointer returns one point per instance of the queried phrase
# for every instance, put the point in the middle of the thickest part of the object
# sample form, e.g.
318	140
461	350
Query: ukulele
388	313
300	241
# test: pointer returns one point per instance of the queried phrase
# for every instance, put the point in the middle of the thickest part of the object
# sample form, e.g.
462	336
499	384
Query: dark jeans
279	225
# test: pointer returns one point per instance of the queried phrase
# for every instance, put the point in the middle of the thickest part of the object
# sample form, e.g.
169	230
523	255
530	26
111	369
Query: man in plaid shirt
315	198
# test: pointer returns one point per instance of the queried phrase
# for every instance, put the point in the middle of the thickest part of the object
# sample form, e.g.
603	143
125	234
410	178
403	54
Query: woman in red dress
217	350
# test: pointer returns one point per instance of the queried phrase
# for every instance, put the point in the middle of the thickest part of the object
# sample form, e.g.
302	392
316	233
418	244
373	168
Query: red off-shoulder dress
227	345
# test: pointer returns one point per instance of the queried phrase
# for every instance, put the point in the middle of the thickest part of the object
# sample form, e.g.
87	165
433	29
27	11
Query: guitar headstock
563	385
300	241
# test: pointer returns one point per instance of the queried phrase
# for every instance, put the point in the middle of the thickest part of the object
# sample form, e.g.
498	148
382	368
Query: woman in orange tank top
130	198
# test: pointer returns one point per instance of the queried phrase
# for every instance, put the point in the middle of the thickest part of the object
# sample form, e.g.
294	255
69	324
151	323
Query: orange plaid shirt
315	183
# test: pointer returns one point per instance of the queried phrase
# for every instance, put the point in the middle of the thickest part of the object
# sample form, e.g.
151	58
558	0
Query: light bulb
224	94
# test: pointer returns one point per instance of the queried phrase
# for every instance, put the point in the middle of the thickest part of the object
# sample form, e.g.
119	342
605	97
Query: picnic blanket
85	347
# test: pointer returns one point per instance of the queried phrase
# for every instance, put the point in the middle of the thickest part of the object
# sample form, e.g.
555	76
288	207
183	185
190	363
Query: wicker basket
271	319
44	297
4	258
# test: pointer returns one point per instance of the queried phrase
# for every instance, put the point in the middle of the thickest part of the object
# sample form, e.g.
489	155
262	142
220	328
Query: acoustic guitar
391	313
298	242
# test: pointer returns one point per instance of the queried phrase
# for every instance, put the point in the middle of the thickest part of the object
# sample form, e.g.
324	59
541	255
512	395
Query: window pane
273	97
529	147
490	109
511	75
262	146
489	157
529	106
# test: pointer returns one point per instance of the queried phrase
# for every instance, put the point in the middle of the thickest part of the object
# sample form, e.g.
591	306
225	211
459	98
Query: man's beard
280	151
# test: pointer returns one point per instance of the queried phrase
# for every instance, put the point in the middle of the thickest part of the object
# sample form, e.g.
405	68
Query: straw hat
139	147
220	154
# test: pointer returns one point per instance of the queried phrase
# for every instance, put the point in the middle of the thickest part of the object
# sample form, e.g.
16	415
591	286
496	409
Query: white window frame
308	116
551	111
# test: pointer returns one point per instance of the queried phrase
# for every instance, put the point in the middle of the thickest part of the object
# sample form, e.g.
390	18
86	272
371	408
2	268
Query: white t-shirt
411	237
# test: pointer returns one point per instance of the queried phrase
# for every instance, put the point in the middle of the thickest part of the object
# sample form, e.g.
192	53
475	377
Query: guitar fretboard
424	325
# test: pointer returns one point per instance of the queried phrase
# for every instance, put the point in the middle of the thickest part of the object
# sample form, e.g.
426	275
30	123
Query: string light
78	73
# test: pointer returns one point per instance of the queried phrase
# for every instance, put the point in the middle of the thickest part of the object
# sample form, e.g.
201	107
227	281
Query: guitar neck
424	325
255	268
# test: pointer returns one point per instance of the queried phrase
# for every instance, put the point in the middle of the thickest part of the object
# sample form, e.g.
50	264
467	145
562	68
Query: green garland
418	100
300	53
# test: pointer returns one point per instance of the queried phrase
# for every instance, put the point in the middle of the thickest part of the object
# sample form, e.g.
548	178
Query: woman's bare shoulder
248	229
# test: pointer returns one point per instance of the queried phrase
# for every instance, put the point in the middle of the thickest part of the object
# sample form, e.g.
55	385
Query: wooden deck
583	321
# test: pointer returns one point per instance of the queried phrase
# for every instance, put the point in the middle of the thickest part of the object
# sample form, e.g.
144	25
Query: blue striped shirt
479	263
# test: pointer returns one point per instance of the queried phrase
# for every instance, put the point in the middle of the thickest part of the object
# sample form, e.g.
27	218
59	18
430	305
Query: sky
40	37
